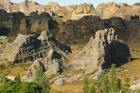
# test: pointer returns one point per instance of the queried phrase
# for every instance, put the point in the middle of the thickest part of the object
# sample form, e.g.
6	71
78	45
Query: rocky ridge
73	11
44	49
98	54
102	51
29	48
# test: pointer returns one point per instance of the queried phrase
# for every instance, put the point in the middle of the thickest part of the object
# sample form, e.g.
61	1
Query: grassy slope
130	70
74	87
13	70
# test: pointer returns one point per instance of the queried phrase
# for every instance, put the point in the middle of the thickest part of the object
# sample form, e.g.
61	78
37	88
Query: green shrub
1	66
114	86
16	87
107	83
30	88
42	80
138	91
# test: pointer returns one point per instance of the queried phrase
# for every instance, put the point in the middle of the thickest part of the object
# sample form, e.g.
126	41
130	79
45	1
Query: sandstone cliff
13	23
69	31
74	11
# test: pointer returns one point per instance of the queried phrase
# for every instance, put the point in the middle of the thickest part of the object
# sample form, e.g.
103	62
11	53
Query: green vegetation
86	86
42	80
114	84
107	83
14	69
41	84
16	86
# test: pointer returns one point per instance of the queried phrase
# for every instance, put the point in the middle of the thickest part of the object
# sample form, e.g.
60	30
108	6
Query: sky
73	2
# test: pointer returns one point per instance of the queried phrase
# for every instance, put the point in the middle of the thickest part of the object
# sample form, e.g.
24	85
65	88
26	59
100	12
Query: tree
46	86
113	81
107	83
93	88
86	87
17	78
104	82
23	87
42	80
17	86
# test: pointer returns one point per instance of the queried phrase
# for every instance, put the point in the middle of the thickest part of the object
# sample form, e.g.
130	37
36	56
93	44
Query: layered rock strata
101	52
32	47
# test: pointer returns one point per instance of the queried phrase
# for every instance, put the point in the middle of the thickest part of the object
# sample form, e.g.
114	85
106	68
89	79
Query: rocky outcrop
101	52
82	10
50	65
32	70
54	63
29	48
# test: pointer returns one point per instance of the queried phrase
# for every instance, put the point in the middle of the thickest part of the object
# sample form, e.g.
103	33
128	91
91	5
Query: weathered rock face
117	10
32	47
36	23
28	7
12	24
82	29
75	11
101	52
32	70
5	4
53	63
134	33
69	31
82	10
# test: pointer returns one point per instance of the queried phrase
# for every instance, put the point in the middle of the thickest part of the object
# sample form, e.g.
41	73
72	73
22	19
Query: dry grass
75	87
76	48
13	70
129	71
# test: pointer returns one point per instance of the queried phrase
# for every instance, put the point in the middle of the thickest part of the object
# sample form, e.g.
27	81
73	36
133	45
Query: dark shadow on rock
120	53
117	53
4	31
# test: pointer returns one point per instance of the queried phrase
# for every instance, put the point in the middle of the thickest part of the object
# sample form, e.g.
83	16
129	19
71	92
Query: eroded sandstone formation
101	52
113	9
29	48
69	31
73	11
12	24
